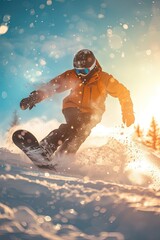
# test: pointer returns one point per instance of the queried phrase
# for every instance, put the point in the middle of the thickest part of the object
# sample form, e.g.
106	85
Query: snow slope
109	192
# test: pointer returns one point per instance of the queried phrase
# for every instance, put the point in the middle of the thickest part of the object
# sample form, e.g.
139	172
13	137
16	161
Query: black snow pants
70	135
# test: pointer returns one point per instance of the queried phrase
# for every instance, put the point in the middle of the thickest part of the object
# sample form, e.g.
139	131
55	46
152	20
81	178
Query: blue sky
38	40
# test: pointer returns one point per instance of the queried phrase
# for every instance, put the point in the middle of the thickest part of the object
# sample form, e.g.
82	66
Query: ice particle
31	25
6	18
122	54
109	32
32	12
4	95
100	15
5	62
38	73
49	2
47	218
115	42
42	62
3	29
125	26
58	227
148	52
42	37
103	5
21	31
42	6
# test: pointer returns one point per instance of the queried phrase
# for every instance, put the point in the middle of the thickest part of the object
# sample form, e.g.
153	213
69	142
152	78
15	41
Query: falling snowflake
115	42
42	6
125	26
6	18
42	37
148	52
109	32
3	29
31	25
49	2
32	12
38	73
42	62
100	15
4	94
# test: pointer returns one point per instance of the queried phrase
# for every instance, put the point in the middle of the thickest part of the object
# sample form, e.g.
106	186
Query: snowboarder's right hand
26	103
128	118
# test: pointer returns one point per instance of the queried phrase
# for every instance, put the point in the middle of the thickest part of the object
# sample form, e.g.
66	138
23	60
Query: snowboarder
84	106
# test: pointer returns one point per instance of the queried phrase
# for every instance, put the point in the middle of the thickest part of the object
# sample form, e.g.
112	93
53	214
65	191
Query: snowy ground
109	192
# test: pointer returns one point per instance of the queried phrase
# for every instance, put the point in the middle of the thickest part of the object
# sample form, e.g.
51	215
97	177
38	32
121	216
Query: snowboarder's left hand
30	101
128	118
26	103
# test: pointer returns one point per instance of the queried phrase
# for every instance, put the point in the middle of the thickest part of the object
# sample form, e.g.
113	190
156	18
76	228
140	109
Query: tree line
151	138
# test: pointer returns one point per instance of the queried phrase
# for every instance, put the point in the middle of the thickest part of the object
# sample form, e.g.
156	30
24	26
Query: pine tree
138	131
15	120
153	135
158	141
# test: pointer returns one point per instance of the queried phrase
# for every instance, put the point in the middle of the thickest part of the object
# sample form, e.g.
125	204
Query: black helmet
84	62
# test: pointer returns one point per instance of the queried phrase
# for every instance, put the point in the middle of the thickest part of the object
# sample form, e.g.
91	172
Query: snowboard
28	143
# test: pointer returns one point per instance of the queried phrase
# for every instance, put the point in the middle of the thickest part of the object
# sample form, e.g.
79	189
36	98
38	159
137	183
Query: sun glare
151	110
101	131
143	170
154	106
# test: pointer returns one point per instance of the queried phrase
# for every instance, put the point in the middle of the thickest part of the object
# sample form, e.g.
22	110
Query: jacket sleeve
118	90
58	84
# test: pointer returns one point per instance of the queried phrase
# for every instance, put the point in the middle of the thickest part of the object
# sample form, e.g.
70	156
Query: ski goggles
85	71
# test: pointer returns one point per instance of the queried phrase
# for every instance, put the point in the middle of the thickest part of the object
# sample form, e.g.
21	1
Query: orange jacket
90	96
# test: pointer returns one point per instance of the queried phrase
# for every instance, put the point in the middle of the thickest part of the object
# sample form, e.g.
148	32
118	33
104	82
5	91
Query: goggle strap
93	65
90	68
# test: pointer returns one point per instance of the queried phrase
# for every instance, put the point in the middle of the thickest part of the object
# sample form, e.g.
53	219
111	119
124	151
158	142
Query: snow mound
99	194
105	162
54	207
117	161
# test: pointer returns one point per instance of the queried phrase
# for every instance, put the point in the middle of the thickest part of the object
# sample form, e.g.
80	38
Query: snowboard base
28	143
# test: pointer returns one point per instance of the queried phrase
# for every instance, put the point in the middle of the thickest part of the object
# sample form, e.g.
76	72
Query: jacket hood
98	65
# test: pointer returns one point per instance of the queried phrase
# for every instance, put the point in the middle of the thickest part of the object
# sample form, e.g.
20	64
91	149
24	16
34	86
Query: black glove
128	118
26	103
30	101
